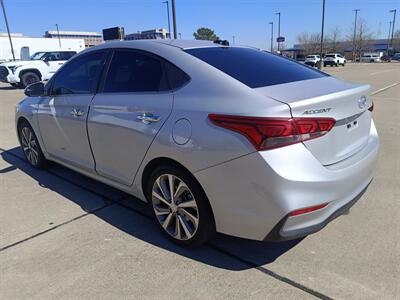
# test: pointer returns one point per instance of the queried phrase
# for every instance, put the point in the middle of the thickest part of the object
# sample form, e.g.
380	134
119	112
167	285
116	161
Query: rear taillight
270	133
307	210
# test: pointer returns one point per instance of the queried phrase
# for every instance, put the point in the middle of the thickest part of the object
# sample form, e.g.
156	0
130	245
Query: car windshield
254	68
38	55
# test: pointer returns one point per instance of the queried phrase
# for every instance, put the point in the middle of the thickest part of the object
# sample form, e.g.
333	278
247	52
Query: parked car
370	57
41	66
386	58
312	60
396	57
214	138
334	59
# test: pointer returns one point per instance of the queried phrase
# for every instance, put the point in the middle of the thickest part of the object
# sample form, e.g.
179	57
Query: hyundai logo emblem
362	102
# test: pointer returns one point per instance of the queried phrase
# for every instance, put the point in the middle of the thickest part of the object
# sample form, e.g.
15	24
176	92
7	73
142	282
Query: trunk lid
329	97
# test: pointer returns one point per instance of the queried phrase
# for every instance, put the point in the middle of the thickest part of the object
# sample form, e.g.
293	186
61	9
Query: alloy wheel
175	207
29	145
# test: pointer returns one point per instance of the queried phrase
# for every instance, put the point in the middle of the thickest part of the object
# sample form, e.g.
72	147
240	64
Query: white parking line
385	88
380	72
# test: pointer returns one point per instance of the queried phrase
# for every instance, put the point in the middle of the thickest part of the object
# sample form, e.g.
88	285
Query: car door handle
147	118
76	112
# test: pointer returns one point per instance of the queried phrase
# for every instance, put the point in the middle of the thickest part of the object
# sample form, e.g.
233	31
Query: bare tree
334	39
309	42
363	37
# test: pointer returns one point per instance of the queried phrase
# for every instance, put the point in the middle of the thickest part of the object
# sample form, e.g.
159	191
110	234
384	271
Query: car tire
30	146
29	78
187	218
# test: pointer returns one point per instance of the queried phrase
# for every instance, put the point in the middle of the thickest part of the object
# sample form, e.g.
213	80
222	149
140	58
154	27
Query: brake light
270	133
307	210
371	108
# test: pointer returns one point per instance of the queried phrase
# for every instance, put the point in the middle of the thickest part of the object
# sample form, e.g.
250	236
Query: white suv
312	60
334	59
41	66
370	57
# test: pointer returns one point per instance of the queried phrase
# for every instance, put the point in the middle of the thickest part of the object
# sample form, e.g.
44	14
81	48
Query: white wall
36	45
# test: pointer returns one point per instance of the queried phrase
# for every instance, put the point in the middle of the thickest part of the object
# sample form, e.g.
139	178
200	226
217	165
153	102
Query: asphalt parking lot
64	236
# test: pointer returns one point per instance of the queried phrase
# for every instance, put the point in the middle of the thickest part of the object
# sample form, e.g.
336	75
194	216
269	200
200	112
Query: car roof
182	44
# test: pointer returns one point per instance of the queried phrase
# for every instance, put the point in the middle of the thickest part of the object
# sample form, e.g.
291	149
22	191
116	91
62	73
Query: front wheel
29	78
180	206
30	146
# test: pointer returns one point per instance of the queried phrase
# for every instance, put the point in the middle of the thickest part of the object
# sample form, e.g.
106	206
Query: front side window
131	71
80	75
254	68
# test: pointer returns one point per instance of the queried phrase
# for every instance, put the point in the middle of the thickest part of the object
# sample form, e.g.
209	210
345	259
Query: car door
125	116
63	113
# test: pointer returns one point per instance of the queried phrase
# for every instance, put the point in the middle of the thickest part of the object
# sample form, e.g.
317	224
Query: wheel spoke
160	211
171	187
192	218
180	189
167	221
178	233
24	134
188	204
161	188
160	198
185	227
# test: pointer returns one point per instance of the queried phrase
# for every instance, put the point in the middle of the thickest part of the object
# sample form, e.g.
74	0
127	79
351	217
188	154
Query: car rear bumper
252	196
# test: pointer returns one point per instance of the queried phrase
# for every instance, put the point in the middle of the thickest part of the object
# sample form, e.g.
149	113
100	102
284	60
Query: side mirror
35	89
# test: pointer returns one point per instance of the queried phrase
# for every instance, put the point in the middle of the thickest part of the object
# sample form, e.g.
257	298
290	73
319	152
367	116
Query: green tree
204	33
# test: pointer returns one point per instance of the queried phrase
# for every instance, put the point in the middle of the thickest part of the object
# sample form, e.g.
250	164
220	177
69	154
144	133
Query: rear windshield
255	68
330	55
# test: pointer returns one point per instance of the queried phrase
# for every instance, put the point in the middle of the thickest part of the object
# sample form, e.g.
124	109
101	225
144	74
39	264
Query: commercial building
345	47
149	35
91	38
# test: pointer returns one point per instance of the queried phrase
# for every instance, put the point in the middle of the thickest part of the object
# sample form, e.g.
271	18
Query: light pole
279	29
8	29
233	40
169	24
388	40
394	20
58	34
322	35
354	36
174	19
272	35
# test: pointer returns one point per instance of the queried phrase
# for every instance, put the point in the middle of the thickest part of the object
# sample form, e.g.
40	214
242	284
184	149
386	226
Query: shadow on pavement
131	215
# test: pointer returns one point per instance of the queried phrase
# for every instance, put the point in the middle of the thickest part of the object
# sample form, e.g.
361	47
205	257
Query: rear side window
131	71
176	77
67	55
254	68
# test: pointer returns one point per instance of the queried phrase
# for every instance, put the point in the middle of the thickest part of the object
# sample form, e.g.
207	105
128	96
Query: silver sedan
215	138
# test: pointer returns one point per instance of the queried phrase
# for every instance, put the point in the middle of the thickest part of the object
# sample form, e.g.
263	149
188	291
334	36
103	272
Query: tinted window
176	77
79	76
67	55
254	68
132	71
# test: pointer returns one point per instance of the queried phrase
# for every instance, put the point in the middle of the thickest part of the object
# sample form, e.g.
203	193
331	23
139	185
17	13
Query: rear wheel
29	78
180	206
30	146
